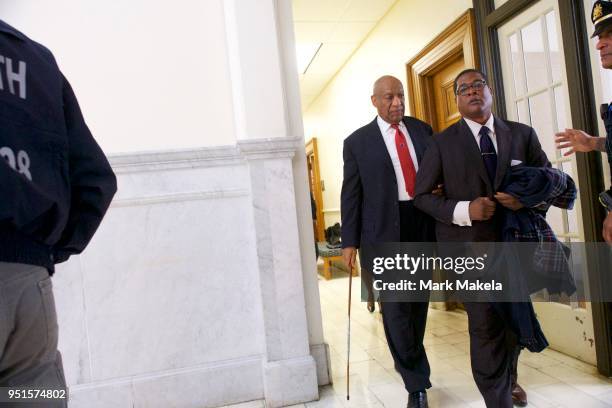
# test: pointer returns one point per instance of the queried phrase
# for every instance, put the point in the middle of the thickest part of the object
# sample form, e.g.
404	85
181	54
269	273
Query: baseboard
320	353
211	385
290	382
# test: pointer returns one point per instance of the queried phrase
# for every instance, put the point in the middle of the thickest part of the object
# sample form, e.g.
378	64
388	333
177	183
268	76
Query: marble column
289	370
269	131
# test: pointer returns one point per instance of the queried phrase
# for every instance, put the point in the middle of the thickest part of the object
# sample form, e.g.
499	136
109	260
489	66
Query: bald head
383	82
388	98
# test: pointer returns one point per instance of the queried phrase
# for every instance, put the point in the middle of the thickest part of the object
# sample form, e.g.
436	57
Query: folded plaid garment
538	188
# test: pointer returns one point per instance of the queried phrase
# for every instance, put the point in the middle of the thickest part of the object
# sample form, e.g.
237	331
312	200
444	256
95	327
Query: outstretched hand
576	141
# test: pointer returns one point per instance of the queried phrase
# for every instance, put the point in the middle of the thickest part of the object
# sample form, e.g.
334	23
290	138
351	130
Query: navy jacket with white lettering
55	182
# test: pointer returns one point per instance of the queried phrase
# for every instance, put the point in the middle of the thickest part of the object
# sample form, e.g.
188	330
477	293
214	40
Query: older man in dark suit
471	158
380	164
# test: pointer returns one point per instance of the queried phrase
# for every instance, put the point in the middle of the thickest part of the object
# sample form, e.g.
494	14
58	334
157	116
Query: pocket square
515	163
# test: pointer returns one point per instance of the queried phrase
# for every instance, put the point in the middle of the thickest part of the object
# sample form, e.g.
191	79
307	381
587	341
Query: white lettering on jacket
13	77
19	162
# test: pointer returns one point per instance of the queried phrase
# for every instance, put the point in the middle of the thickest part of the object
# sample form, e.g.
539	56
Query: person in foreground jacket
56	185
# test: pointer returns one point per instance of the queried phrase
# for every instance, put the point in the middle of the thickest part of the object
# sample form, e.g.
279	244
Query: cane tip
348	398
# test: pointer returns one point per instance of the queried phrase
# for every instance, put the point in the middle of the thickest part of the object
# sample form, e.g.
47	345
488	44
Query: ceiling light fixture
305	54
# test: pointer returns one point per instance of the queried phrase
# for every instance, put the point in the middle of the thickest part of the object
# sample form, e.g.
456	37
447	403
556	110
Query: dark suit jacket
454	159
369	201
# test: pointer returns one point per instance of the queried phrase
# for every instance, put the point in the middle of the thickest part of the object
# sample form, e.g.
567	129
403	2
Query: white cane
348	348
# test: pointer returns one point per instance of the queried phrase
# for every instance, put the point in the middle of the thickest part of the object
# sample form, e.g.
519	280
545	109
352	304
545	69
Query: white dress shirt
389	137
461	213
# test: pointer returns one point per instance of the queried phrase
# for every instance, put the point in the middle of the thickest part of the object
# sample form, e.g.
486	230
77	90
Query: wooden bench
329	255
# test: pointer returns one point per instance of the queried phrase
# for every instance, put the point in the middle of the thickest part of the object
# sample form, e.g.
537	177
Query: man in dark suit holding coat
380	164
471	158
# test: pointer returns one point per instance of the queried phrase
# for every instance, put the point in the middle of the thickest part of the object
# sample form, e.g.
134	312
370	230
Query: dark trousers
492	351
514	373
404	322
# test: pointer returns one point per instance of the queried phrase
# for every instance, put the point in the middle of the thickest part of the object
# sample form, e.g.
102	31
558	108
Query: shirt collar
475	126
383	124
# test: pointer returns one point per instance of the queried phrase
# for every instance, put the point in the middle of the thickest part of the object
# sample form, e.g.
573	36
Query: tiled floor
552	380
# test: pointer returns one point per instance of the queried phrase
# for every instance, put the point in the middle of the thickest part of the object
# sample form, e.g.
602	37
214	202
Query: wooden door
432	71
316	190
446	112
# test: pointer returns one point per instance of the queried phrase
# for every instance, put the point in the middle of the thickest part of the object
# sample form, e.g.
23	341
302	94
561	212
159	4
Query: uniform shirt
389	137
461	214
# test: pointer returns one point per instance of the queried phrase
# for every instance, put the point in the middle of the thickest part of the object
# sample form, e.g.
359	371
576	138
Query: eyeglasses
477	85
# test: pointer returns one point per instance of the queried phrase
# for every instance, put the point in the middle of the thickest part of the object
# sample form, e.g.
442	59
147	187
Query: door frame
312	149
583	114
459	38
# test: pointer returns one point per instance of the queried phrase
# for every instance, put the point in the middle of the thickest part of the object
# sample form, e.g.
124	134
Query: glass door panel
535	89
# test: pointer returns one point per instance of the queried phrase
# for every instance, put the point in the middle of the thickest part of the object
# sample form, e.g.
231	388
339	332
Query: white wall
200	287
149	74
295	126
140	309
344	105
190	294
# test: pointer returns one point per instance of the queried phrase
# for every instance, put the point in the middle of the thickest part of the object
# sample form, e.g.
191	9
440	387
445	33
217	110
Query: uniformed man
56	186
579	141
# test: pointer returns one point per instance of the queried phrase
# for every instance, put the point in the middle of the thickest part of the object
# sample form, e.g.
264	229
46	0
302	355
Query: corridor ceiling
336	28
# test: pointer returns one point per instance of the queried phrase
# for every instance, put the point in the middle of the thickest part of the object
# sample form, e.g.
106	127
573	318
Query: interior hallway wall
200	287
149	75
344	104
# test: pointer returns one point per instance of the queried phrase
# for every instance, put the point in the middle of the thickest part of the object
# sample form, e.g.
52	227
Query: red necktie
405	159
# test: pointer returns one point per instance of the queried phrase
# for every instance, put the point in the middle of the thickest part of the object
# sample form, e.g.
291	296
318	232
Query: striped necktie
487	151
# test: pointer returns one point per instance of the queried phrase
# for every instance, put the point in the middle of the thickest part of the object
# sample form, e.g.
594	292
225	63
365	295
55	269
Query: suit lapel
504	146
472	152
379	146
415	137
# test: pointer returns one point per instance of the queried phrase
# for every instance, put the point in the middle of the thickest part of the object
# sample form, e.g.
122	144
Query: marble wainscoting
191	292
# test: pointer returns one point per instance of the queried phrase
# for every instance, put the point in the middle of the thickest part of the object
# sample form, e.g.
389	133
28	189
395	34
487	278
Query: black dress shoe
371	306
417	400
519	396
